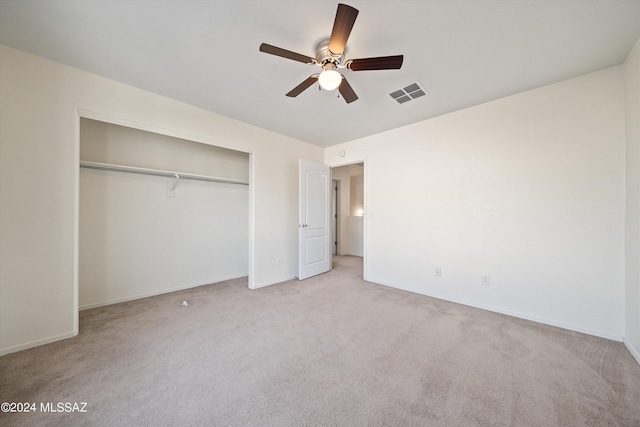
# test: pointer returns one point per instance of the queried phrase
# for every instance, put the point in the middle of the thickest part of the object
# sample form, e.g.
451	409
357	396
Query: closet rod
156	172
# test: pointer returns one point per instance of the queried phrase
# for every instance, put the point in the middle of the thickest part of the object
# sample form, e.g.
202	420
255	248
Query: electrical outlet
486	281
279	260
438	272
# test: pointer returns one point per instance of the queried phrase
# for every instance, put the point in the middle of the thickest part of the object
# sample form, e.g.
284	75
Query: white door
314	232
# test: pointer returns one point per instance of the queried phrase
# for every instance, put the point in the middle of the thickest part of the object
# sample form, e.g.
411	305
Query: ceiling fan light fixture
329	52
329	79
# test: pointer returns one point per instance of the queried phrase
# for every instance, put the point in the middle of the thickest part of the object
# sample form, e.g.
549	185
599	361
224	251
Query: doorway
349	209
334	214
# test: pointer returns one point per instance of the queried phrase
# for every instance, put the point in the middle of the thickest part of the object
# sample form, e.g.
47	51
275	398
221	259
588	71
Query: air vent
408	93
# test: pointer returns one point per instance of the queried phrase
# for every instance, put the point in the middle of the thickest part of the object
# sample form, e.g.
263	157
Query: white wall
528	189
355	236
136	242
357	195
355	222
108	143
632	230
137	238
39	173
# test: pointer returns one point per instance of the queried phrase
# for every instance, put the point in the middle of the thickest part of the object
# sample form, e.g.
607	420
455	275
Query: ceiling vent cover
408	93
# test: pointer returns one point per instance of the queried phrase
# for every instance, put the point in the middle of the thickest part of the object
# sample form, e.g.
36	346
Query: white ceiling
205	53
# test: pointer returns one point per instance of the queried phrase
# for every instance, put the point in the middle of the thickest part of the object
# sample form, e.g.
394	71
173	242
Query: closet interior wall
138	236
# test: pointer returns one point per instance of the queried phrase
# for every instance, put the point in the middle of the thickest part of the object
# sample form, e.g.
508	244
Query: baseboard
634	351
562	325
37	343
273	282
154	293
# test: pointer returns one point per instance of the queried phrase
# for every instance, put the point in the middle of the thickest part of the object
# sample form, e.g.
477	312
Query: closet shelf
157	172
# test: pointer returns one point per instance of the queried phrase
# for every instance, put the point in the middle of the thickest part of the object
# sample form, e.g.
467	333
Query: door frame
335	216
367	214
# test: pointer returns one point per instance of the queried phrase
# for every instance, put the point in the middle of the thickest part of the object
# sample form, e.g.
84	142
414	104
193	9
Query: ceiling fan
329	56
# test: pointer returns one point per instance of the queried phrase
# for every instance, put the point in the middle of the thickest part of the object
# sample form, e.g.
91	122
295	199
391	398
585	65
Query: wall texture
39	150
632	206
528	190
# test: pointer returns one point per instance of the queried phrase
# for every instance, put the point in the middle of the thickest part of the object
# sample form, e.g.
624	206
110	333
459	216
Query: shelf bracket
172	184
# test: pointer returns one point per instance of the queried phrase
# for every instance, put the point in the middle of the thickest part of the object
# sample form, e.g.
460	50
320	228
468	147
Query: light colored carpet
332	350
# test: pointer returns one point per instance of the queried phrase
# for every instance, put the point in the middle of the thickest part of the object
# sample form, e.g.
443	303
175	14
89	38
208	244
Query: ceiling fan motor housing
324	55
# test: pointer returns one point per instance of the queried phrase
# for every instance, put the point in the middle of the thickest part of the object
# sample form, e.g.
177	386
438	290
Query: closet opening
157	214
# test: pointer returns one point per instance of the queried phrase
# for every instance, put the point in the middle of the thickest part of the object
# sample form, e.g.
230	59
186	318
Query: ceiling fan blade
379	63
302	86
277	51
347	91
345	18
